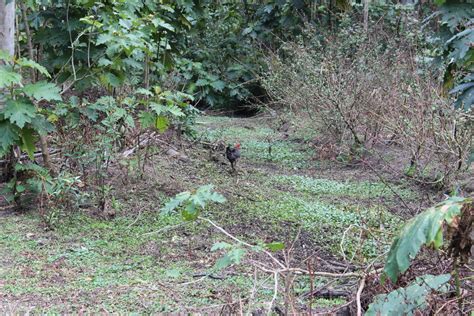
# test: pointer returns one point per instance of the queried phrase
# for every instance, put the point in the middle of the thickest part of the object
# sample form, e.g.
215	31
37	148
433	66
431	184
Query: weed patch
338	229
360	189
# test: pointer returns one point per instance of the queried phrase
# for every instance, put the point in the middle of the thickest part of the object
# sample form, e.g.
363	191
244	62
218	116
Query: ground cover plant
350	128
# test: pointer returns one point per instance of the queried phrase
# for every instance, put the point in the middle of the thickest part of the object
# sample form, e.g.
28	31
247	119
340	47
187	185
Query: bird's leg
232	165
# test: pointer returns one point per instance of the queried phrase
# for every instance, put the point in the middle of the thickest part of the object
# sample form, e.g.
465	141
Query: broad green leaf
175	111
32	64
91	20
119	113
217	197
275	246
465	100
129	121
9	135
234	256
143	91
207	193
454	15
162	123
8	76
19	112
133	63
221	245
104	38
462	87
425	229
175	202
223	262
104	62
158	108
190	212
199	200
218	85
461	43
28	142
32	167
161	23
405	301
43	90
41	125
110	79
202	83
147	119
167	8
191	204
184	20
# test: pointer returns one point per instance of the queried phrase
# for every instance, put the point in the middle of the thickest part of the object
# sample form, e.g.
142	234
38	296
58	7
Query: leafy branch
424	229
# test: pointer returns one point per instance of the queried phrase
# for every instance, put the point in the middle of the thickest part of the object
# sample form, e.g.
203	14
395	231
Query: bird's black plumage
233	154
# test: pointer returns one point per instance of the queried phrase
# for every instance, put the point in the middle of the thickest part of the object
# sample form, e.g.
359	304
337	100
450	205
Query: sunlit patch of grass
237	134
259	143
284	153
359	189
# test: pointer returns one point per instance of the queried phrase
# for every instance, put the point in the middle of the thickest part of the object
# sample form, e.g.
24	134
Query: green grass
329	224
326	187
109	265
256	141
116	265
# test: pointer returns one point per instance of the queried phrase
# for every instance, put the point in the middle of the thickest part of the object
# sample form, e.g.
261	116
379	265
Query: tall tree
7	43
7	26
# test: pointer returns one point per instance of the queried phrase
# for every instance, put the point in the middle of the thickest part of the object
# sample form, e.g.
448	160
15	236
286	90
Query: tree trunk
7	43
366	15
7	26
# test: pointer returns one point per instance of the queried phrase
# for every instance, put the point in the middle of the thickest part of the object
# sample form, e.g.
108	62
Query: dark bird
233	154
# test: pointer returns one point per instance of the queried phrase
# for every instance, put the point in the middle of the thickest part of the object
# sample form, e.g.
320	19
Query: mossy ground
142	261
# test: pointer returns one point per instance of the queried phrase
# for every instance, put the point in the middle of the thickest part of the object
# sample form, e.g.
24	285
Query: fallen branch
314	273
359	292
275	293
327	293
35	155
210	276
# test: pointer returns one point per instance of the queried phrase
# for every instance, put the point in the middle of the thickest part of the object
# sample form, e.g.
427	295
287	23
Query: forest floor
332	217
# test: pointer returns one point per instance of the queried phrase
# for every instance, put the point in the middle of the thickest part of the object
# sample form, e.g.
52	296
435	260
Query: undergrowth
361	189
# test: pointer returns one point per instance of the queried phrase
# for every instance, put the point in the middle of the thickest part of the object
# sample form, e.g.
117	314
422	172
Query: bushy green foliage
53	194
454	41
234	255
164	108
425	229
115	44
21	120
405	301
190	204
